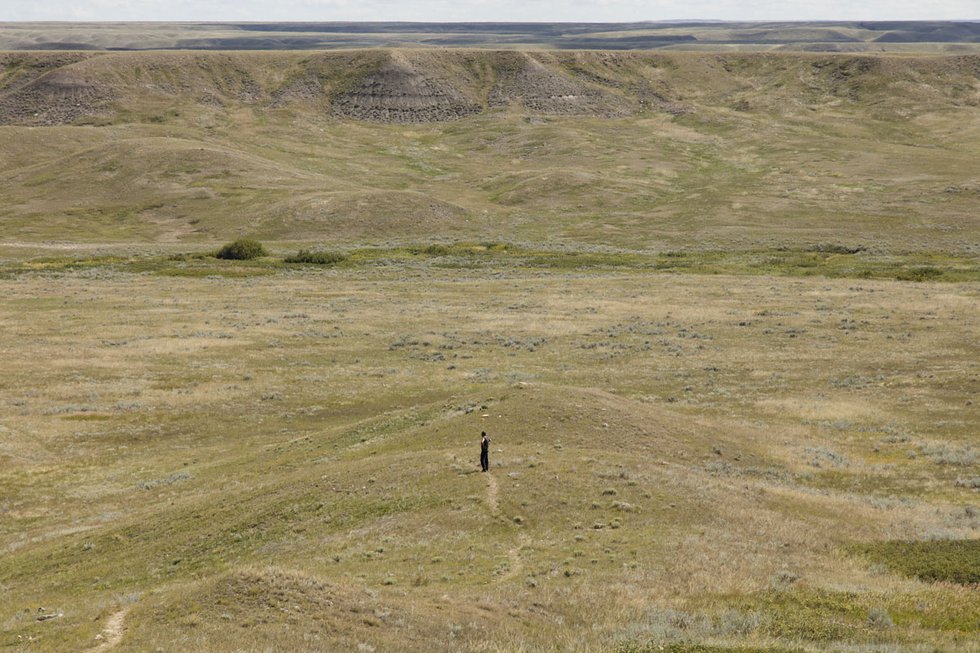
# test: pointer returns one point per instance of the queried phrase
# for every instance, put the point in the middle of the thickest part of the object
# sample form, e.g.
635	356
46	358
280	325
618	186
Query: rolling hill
597	148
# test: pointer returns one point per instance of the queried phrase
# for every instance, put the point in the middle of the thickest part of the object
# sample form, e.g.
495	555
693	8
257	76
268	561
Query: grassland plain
287	459
719	424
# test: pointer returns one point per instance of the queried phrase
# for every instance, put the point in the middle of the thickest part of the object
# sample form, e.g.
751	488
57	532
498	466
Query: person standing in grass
485	452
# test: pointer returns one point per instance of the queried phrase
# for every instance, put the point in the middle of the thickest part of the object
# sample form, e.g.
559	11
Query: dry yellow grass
637	150
699	435
288	461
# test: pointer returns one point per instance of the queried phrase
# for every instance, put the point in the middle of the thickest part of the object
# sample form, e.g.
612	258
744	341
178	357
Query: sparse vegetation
502	256
726	415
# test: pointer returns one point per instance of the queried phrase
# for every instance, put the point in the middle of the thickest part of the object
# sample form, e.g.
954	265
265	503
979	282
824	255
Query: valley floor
287	459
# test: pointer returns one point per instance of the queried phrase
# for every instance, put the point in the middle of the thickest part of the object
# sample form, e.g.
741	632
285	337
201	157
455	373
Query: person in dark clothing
485	452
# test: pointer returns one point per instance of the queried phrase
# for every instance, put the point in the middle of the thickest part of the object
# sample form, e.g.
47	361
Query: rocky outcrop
398	92
56	98
529	83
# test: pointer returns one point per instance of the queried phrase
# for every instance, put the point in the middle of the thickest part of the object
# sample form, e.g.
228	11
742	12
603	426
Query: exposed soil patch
493	494
113	632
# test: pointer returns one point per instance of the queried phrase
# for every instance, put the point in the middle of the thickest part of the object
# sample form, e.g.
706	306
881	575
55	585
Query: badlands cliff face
402	91
423	86
44	90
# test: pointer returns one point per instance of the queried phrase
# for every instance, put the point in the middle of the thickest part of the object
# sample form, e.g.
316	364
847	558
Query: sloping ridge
413	87
399	92
150	166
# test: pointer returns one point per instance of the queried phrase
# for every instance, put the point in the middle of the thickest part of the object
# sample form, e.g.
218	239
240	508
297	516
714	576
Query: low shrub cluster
460	249
316	257
243	249
921	273
836	248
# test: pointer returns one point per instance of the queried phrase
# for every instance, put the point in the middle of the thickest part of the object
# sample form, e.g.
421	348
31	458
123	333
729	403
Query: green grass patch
316	257
821	615
578	260
831	261
952	561
463	249
920	273
870	484
948	608
816	615
56	263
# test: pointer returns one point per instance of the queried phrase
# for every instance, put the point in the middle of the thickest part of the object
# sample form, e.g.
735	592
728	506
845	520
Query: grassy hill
646	151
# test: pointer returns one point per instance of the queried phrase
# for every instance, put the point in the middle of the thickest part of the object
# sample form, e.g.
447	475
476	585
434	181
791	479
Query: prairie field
717	313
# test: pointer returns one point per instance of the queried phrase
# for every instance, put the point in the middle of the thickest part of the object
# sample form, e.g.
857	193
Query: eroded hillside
417	86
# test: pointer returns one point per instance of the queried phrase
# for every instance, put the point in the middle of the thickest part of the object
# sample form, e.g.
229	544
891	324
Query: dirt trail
112	633
493	495
515	564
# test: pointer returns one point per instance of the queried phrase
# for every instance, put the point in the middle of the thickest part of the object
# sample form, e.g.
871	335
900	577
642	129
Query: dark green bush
242	249
316	257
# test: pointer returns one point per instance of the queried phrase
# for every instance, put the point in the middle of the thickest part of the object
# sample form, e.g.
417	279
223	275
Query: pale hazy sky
485	10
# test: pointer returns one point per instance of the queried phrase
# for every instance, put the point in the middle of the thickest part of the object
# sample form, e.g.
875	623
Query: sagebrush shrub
242	249
316	257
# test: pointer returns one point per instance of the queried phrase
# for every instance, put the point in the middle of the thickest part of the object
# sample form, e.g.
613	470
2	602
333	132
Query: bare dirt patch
112	632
